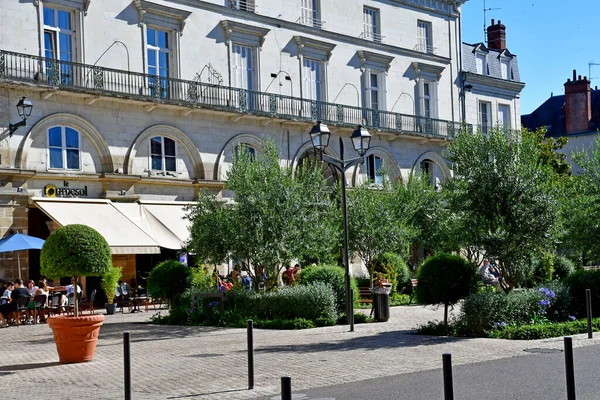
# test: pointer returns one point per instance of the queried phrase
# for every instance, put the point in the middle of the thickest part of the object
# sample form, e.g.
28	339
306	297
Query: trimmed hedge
169	279
544	331
445	279
333	276
314	302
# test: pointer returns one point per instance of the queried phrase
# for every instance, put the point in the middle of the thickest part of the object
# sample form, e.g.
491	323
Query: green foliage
544	331
563	267
561	307
276	216
202	281
109	282
75	250
445	279
505	197
296	323
394	268
313	302
578	282
169	279
543	268
333	276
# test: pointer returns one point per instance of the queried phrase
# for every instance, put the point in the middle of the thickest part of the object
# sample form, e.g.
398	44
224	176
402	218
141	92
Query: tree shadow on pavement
21	367
383	340
208	394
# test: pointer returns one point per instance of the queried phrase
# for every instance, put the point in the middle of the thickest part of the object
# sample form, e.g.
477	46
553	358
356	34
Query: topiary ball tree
75	250
445	279
169	279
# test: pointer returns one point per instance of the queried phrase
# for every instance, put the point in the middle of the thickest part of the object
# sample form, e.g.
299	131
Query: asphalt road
532	376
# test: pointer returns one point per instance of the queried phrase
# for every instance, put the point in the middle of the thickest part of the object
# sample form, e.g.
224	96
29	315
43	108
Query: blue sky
550	38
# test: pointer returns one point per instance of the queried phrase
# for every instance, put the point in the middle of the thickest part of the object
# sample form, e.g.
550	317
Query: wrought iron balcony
102	81
243	5
371	36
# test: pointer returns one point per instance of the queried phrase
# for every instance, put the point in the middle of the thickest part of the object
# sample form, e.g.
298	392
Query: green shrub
543	269
363	281
312	302
561	307
109	282
169	279
399	300
544	331
202	281
394	268
75	250
578	282
333	276
563	267
296	323
445	279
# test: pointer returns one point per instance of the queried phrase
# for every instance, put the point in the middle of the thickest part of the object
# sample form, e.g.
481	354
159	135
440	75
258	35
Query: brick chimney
578	104
496	34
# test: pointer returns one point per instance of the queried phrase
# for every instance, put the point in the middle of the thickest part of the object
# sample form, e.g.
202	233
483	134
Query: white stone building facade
144	102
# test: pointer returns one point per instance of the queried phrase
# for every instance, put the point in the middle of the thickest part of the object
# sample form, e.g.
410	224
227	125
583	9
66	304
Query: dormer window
482	65
505	68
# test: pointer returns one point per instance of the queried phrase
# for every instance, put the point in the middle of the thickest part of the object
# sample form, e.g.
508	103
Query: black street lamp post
24	107
361	140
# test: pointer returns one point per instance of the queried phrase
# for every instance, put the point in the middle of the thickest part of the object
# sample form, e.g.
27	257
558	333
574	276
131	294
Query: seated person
10	286
6	309
31	287
488	278
64	300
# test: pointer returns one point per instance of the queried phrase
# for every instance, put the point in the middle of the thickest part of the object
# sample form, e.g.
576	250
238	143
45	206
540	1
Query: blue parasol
18	242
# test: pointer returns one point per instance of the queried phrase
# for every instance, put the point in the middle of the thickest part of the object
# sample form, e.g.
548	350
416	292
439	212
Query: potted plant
75	250
109	285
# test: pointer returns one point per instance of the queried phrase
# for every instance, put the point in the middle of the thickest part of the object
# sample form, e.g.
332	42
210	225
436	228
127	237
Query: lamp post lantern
24	108
361	141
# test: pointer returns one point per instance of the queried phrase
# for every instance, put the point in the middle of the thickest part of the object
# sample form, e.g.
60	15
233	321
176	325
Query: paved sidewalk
175	362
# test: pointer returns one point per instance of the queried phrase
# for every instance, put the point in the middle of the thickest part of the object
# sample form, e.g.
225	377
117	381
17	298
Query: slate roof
552	115
469	63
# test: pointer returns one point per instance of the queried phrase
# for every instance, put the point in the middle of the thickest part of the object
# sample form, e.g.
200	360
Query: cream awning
150	224
171	215
122	235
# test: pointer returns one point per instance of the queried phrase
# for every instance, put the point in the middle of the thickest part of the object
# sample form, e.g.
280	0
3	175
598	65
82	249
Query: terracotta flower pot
75	338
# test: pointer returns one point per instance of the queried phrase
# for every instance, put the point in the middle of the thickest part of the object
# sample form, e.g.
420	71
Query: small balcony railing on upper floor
486	129
310	21
425	48
101	81
372	36
243	5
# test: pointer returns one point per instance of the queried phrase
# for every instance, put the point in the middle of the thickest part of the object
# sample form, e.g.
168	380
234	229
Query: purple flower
499	324
544	303
213	303
572	318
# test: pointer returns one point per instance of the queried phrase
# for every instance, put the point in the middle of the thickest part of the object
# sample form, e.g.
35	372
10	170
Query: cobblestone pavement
175	362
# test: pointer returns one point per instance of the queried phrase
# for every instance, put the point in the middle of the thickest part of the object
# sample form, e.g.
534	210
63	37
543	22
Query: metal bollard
588	310
250	329
127	366
569	368
448	388
352	316
286	388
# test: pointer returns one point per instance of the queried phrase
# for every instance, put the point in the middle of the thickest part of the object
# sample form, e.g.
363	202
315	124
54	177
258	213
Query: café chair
89	303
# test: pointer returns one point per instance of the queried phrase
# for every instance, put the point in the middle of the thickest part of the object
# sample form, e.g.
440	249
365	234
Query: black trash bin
381	304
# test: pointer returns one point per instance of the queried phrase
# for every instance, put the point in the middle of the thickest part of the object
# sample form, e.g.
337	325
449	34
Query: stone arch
71	120
172	133
307	147
437	159
241	138
389	160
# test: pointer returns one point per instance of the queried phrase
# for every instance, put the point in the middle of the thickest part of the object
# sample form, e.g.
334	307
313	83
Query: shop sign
65	191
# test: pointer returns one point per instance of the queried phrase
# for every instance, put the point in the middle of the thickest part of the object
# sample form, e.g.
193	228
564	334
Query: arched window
163	154
429	169
64	148
244	148
312	156
375	167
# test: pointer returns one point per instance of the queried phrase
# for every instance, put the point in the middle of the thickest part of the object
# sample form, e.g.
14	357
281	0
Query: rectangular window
310	14
163	153
58	44
63	148
484	117
313	80
374	169
373	91
243	67
424	42
505	67
371	29
159	60
504	116
427	99
481	61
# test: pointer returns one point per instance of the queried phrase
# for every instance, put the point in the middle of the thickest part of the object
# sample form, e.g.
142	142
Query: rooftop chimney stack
578	104
496	34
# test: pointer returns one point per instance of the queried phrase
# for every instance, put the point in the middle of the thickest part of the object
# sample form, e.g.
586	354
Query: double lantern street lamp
361	140
24	107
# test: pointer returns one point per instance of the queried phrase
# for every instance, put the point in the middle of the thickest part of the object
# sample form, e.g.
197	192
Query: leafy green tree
374	224
504	198
275	217
169	279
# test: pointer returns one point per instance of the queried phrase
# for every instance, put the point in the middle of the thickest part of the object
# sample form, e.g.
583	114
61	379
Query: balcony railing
310	21
97	80
372	36
244	5
425	48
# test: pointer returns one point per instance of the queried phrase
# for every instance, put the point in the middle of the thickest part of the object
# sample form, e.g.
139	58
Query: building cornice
228	12
444	7
489	81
